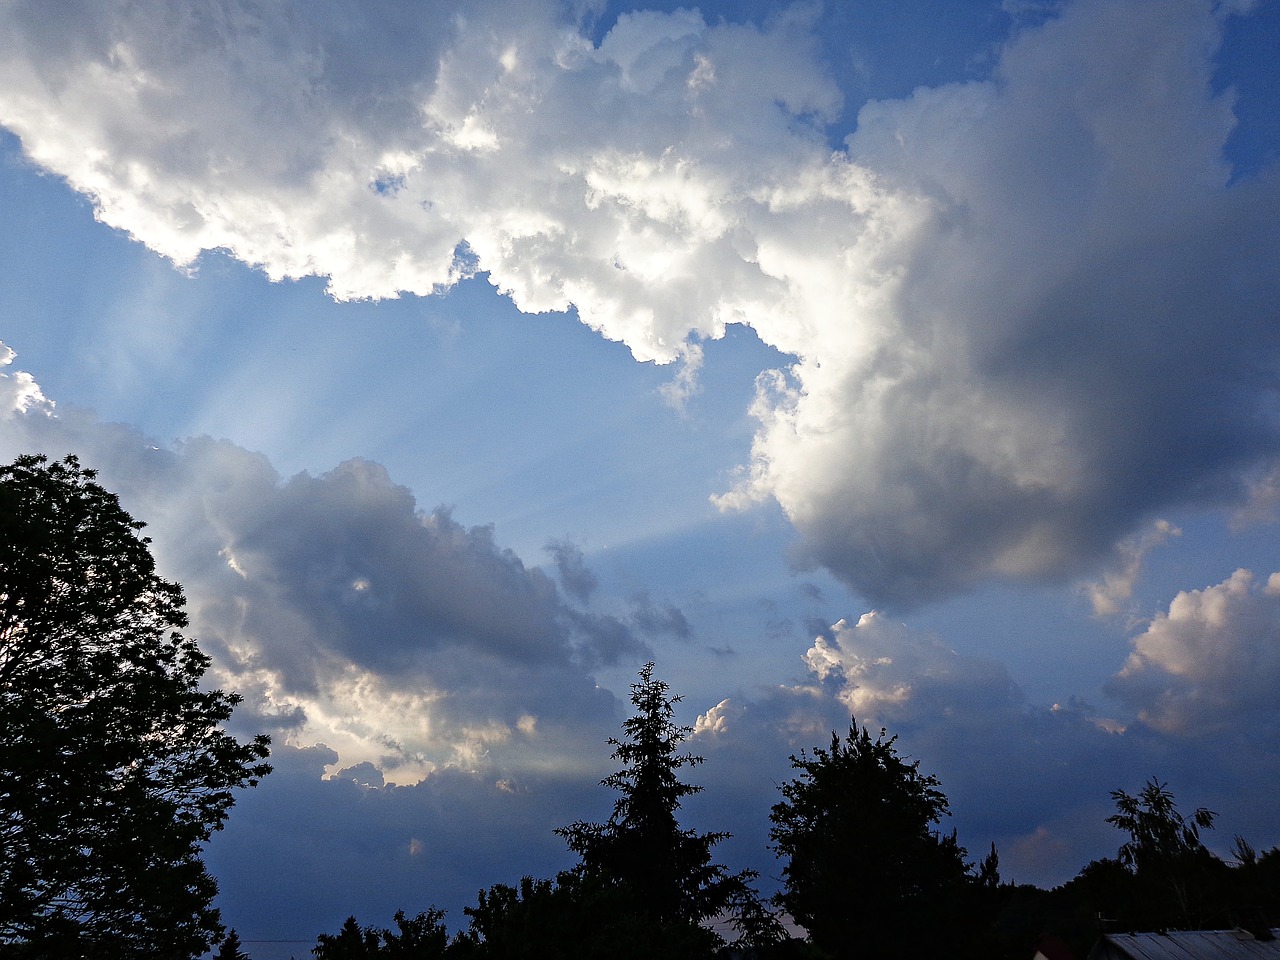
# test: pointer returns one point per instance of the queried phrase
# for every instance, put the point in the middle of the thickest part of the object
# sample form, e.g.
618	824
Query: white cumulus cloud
1027	312
1211	663
19	391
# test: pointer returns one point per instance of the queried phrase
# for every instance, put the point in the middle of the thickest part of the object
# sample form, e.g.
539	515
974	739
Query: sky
901	360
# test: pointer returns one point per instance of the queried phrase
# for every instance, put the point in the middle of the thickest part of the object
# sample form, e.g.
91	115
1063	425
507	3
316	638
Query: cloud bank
1027	312
431	699
1195	707
347	616
436	715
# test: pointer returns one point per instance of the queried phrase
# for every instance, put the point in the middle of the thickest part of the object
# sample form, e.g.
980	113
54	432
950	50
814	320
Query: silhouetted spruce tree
660	871
114	766
866	872
230	948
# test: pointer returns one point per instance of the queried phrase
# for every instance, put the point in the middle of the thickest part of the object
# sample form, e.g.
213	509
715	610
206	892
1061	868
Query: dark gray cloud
492	741
575	576
657	619
364	774
1080	331
328	848
343	613
609	638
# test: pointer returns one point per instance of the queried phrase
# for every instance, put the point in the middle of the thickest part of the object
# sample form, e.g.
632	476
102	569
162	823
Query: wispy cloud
1109	595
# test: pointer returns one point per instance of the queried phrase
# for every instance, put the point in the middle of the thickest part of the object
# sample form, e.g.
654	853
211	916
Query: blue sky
901	359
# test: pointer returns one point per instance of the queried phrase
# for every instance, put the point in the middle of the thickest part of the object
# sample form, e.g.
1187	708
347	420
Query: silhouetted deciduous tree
1159	835
1177	876
866	872
423	937
114	767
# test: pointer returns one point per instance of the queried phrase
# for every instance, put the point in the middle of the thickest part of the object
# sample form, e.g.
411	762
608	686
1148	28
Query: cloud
364	773
1211	664
1262	498
345	615
1028	312
558	163
434	708
1108	595
19	392
421	681
1034	779
654	618
328	848
1041	366
430	697
885	673
575	576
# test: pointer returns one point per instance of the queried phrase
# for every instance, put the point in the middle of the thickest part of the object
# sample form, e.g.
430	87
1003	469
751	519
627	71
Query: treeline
866	872
1162	878
115	769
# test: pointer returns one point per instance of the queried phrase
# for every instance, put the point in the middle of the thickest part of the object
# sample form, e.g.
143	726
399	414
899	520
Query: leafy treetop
114	767
866	871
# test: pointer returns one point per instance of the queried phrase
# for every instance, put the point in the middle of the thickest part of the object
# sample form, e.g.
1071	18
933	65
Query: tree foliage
1173	868
423	937
644	887
866	871
1159	836
868	874
352	942
114	767
229	949
1162	878
573	917
665	872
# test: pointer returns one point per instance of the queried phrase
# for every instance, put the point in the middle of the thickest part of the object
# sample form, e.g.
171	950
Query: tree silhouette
665	872
1159	835
114	767
352	942
423	937
866	872
1176	874
230	948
